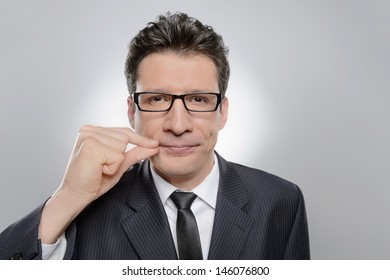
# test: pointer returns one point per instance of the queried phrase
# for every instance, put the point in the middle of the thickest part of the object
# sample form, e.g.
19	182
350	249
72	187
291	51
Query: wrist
58	213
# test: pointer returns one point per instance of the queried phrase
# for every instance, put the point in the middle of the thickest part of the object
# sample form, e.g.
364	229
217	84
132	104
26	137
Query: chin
174	165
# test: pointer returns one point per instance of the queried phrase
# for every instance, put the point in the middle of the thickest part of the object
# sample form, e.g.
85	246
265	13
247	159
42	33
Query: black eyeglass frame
174	97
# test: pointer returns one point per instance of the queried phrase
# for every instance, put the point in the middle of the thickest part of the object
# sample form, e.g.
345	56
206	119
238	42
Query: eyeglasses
162	102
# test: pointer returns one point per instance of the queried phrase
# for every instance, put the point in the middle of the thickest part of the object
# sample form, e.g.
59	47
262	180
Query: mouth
179	150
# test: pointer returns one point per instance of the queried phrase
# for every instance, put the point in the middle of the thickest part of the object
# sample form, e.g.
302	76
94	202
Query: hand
98	160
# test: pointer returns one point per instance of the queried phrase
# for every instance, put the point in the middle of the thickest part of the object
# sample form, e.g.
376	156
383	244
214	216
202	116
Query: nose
178	119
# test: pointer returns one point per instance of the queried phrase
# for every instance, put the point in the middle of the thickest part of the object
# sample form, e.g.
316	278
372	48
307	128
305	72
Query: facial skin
186	139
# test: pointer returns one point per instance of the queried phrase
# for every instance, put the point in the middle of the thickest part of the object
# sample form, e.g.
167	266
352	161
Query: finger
112	166
104	140
93	152
95	131
137	139
136	155
123	134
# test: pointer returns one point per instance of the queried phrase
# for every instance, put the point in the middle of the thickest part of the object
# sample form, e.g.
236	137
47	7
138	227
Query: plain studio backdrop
309	101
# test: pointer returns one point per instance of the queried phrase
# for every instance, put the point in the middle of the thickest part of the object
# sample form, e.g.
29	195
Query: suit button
17	256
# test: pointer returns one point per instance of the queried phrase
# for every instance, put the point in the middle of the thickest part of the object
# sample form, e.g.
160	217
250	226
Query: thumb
137	154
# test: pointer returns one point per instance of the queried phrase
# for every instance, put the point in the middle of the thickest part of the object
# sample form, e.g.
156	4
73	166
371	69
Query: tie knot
183	200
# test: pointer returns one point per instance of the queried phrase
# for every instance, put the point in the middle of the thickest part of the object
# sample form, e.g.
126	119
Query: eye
199	99
154	99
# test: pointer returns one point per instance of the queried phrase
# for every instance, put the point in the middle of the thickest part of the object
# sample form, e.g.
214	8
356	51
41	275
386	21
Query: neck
186	182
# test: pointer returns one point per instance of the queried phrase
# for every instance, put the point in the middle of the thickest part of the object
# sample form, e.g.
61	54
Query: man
118	204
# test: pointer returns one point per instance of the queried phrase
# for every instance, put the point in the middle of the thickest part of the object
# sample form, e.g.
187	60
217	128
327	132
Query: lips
179	149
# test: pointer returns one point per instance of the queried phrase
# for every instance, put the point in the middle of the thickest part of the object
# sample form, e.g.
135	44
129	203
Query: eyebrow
182	92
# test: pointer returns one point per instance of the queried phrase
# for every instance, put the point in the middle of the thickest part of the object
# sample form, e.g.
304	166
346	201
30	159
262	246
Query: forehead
171	72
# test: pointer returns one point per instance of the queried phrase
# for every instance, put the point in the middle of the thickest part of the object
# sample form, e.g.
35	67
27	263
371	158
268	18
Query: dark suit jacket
258	216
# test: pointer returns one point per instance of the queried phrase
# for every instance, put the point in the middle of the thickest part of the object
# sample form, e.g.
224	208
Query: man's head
177	58
180	34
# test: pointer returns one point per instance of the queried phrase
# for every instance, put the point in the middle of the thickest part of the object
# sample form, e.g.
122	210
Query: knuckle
85	136
121	157
88	145
87	127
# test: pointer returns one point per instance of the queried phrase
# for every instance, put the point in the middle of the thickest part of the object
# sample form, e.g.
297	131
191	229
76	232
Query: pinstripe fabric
258	216
278	229
21	238
137	226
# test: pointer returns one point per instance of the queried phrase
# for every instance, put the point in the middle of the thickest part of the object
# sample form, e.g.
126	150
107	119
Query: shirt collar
207	190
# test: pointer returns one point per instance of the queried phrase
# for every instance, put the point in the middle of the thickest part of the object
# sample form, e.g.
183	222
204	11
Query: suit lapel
231	224
148	228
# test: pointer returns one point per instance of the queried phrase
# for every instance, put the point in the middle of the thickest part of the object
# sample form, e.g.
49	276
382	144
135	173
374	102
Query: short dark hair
181	34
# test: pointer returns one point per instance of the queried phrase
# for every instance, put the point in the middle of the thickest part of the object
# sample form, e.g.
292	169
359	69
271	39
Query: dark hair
181	34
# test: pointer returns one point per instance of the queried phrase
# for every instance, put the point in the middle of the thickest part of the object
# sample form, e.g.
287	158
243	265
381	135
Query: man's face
187	139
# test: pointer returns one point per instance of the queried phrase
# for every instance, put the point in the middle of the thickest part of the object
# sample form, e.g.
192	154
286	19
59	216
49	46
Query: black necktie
188	240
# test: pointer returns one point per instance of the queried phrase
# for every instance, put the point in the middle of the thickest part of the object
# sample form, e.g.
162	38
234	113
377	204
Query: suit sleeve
298	246
20	240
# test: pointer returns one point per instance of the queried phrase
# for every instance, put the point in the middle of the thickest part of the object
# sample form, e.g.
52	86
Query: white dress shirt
203	208
54	251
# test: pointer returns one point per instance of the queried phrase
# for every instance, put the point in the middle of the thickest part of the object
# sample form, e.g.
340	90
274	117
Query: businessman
171	196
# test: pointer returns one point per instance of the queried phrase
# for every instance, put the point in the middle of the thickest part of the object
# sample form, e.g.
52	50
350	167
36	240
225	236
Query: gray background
309	98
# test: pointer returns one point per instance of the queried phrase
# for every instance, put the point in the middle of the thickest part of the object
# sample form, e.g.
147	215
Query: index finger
137	139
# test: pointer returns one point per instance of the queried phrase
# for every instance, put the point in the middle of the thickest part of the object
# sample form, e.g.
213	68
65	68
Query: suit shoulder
257	180
254	173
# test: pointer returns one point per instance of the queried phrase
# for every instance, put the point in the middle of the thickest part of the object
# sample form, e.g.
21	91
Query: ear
130	110
223	115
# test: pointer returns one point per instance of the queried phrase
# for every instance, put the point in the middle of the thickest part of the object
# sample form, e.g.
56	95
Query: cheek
137	123
209	129
147	126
